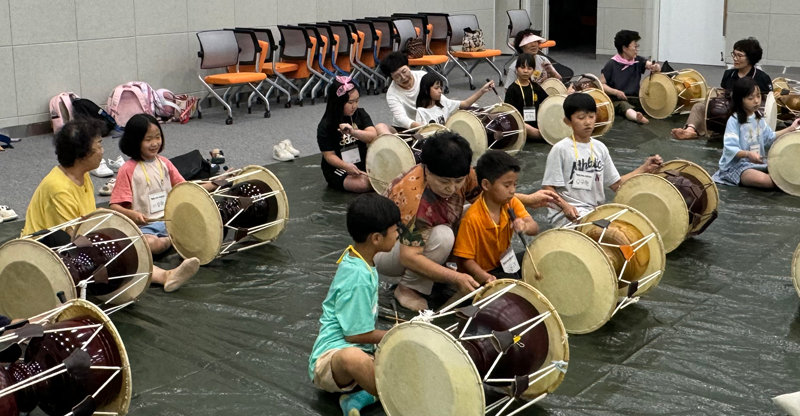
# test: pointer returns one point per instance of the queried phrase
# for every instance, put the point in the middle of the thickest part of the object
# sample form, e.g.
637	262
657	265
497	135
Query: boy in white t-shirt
434	107
580	167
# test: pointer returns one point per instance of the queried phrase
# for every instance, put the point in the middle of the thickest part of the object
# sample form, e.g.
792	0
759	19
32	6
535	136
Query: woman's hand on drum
346	128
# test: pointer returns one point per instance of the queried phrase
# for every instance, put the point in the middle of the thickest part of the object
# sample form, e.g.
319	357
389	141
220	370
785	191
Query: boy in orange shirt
483	243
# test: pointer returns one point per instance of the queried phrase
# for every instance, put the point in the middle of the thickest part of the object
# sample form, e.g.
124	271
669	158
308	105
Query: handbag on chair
415	49
473	41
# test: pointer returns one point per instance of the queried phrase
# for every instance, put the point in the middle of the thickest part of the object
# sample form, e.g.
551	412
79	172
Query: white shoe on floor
280	153
287	145
102	171
107	188
116	163
7	214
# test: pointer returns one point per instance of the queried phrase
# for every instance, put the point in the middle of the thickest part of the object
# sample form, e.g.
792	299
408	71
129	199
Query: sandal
107	188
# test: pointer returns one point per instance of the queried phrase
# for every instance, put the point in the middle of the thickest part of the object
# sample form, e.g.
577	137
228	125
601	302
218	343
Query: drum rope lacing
697	217
633	287
83	284
501	345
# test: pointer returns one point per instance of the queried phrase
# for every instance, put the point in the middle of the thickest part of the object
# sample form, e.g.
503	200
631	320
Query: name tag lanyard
147	177
522	91
575	147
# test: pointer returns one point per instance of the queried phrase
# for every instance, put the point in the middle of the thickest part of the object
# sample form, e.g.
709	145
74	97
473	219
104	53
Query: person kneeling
483	243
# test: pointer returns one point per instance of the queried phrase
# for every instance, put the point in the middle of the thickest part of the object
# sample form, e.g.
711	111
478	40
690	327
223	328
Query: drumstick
513	217
495	91
342	172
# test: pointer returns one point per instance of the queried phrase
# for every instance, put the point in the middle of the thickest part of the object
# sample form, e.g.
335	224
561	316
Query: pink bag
61	109
129	99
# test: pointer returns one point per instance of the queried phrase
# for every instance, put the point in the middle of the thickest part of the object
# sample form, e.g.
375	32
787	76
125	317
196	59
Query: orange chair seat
547	44
428	60
280	67
235	78
488	53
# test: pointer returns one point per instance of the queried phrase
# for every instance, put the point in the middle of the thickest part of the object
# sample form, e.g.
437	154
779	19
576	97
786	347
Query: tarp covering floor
719	335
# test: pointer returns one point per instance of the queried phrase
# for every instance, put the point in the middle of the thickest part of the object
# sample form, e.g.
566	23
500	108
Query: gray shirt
560	174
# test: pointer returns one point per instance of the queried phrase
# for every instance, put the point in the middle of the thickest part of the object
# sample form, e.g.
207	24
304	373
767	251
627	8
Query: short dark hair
447	154
74	140
392	62
371	213
624	38
520	35
751	48
526	59
135	131
495	163
741	89
425	84
579	101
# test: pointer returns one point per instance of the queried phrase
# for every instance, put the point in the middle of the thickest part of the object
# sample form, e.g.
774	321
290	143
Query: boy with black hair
579	167
342	354
622	75
483	243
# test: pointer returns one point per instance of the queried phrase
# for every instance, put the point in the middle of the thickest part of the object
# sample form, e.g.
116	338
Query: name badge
157	202
509	261
582	180
351	154
529	113
756	148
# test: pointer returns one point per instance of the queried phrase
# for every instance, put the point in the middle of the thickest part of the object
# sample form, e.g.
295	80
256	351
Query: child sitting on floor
434	107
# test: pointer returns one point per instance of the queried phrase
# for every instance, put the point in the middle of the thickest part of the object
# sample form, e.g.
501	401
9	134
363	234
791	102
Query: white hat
530	38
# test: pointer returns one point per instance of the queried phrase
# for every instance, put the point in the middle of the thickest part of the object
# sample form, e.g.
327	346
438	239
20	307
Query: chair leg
255	89
446	82
507	63
211	91
466	72
499	75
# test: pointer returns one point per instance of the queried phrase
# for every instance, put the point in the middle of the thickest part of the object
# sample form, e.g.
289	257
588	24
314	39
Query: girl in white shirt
434	107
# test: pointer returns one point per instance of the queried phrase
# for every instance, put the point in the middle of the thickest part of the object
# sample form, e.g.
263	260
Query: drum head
469	126
516	146
661	203
388	157
79	308
551	119
558	347
430	129
254	172
796	269
420	369
695	86
658	96
605	112
779	84
700	175
193	222
31	275
771	111
657	261
783	163
553	86
576	278
133	287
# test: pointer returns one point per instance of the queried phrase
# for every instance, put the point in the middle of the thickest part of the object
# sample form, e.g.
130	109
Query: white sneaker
7	214
280	153
287	145
102	171
116	163
106	189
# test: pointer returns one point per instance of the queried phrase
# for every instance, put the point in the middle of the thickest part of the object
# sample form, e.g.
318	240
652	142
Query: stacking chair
298	48
327	65
367	55
421	25
456	23
272	67
518	20
438	35
345	60
404	30
220	49
385	29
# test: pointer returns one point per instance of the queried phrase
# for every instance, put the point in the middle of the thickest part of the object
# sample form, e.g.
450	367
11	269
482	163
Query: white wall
615	15
90	46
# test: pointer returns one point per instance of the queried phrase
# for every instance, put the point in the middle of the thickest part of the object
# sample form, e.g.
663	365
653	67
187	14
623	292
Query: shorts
323	374
158	229
334	179
620	107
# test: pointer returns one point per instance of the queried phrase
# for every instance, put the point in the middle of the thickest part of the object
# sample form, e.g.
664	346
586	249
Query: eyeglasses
635	46
735	55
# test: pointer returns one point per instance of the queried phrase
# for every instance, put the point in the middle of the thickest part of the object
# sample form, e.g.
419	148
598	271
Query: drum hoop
403	152
708	185
508	109
796	269
602	99
214	231
665	81
481	142
269	178
544	128
775	158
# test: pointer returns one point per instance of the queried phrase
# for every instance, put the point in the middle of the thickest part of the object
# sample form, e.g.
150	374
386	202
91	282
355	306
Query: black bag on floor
82	107
192	166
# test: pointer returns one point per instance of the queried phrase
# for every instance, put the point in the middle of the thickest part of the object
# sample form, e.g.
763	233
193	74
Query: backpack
192	166
175	107
61	109
129	99
83	107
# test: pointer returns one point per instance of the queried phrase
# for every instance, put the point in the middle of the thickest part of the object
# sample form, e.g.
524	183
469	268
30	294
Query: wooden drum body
498	127
665	94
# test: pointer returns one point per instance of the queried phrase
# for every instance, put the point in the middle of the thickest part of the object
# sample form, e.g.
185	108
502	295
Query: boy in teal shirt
342	354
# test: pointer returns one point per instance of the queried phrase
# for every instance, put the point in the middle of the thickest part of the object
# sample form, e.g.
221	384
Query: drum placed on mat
551	119
553	86
249	209
681	200
74	361
796	269
509	341
604	117
102	255
388	156
499	127
664	94
784	163
584	269
718	110
787	96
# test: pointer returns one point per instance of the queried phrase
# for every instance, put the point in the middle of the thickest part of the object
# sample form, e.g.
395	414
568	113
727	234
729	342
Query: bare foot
410	299
684	134
178	276
641	119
